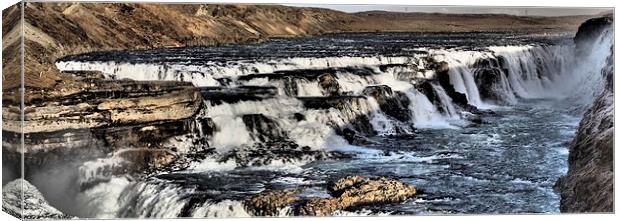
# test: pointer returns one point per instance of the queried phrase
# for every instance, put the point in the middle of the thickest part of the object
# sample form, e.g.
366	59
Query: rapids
487	135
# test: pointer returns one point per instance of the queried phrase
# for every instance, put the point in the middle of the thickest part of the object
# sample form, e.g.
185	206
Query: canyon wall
588	186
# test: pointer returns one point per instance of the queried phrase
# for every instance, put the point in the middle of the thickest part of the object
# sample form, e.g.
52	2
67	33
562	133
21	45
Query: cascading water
362	101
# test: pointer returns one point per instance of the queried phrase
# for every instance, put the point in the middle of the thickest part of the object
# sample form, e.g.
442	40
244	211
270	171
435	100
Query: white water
558	66
205	75
522	80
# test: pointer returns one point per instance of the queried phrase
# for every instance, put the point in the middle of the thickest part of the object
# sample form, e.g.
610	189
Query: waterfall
323	90
446	102
121	197
588	74
330	103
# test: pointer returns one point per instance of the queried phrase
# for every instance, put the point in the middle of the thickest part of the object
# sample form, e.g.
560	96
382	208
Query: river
491	137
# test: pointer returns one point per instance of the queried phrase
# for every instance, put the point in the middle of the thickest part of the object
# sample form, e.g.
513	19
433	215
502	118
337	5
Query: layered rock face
100	118
588	186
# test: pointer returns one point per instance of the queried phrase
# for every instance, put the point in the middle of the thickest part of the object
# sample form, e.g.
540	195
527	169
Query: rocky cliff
588	186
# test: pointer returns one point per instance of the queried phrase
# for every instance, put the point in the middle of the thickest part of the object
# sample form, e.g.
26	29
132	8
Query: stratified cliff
588	186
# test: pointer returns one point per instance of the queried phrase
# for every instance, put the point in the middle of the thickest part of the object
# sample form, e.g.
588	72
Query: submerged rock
33	203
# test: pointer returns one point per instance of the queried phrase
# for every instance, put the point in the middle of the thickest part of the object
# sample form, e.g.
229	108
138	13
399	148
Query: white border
534	3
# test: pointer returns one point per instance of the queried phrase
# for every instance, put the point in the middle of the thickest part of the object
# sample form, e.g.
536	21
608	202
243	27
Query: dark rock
426	88
589	183
290	85
329	84
460	99
263	128
218	95
487	80
394	104
489	62
326	78
405	75
338	102
299	117
589	30
204	127
357	130
261	154
308	74
403	72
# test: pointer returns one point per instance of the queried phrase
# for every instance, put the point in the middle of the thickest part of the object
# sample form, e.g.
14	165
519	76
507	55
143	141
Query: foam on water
523	72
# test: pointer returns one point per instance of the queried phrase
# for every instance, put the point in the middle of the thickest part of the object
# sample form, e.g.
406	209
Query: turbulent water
489	138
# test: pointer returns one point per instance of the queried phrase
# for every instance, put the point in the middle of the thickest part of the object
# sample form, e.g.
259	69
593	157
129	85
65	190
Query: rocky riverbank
345	193
589	184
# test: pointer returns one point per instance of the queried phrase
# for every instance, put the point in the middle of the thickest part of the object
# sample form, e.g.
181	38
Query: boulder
347	192
271	202
357	191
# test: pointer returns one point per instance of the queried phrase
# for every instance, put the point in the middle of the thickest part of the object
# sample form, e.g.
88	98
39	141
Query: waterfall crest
313	105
